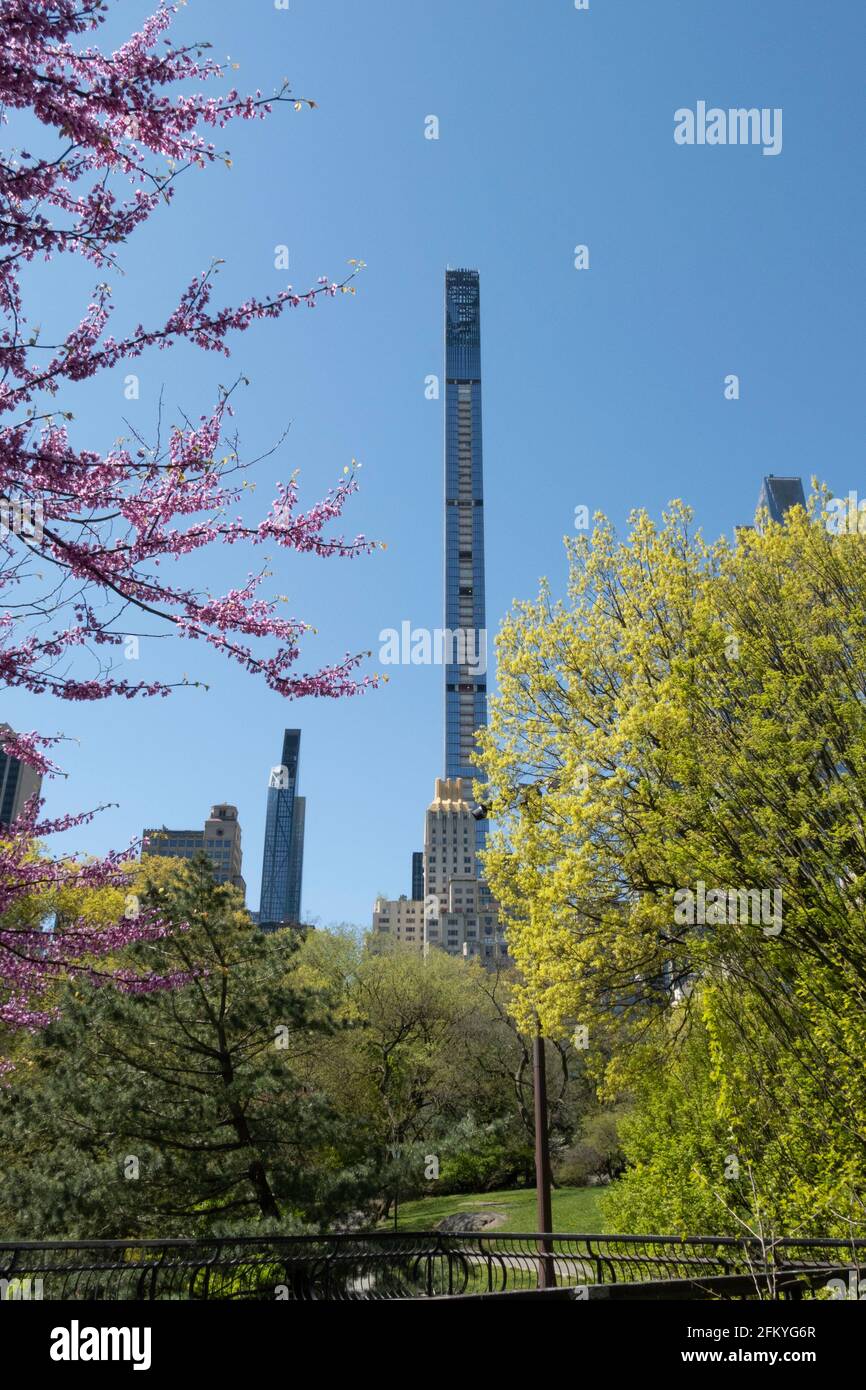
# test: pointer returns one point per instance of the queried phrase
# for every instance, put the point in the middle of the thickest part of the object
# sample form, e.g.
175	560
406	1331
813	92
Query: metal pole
546	1268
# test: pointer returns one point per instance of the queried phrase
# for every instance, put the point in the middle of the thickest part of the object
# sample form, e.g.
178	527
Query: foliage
596	1154
429	1063
693	719
178	1112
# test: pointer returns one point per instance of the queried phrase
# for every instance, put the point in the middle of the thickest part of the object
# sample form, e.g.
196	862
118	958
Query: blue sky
601	387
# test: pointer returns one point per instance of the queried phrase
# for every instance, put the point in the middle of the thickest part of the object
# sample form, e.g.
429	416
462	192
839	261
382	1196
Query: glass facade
10	769
465	676
779	494
283	864
418	875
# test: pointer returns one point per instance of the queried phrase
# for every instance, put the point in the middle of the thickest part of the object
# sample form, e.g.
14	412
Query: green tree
431	1065
692	718
178	1112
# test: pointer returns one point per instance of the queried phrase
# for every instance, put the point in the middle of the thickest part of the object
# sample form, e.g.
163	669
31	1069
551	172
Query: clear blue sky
602	387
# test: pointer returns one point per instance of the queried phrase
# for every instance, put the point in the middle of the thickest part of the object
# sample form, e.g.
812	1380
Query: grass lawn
575	1210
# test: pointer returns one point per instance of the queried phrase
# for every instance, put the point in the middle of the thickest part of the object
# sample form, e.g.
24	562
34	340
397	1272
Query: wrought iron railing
386	1265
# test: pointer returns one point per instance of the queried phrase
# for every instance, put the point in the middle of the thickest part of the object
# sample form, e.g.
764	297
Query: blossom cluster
112	135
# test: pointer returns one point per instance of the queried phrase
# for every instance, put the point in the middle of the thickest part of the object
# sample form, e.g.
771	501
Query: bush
484	1158
486	1171
596	1156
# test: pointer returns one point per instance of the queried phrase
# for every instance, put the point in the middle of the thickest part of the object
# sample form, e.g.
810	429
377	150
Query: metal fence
386	1265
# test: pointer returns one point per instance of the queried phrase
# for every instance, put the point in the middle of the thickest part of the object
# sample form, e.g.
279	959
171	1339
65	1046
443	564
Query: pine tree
177	1112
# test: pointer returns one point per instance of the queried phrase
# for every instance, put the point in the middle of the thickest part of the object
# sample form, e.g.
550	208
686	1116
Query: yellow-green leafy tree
677	765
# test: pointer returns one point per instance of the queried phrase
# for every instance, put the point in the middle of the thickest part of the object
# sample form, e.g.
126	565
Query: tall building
451	907
458	913
778	495
283	863
18	783
465	684
220	841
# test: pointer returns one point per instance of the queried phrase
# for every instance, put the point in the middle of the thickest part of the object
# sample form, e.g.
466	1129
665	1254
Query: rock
470	1221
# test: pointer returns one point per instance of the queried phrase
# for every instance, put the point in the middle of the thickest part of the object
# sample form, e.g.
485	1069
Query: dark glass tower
283	864
418	875
778	495
465	682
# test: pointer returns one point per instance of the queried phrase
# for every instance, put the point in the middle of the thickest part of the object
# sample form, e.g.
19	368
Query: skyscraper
465	685
283	862
778	495
18	783
451	907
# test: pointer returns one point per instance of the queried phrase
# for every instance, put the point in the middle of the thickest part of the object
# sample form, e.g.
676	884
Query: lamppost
397	1155
543	1204
544	1212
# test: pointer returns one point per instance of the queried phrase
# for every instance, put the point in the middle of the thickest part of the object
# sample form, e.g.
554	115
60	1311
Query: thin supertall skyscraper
465	686
283	862
451	907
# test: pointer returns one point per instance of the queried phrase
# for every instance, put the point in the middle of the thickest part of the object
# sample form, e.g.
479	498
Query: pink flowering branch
33	957
107	521
93	541
26	748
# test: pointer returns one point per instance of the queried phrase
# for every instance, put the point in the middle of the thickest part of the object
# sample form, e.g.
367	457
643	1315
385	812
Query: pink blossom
114	524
